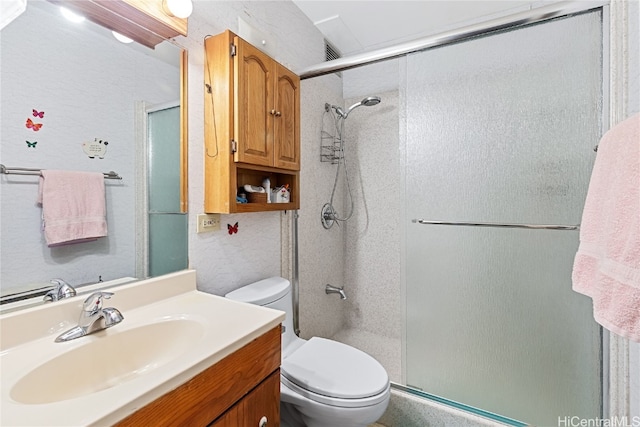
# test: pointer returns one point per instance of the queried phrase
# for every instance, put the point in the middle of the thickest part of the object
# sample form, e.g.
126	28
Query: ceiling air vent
330	52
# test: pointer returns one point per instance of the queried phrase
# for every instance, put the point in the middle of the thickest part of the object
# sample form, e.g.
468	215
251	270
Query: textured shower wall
321	252
373	240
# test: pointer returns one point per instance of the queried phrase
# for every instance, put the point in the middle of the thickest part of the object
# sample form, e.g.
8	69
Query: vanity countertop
201	329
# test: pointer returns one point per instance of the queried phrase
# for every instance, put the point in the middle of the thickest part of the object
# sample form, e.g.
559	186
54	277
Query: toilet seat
335	374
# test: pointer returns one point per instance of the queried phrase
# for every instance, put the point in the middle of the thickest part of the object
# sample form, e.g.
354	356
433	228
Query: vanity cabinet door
231	418
259	408
262	405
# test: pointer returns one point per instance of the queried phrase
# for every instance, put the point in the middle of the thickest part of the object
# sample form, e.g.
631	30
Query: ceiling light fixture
178	8
121	38
71	16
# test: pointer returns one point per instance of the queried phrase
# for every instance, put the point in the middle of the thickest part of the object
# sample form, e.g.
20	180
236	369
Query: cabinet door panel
232	418
287	120
253	124
264	401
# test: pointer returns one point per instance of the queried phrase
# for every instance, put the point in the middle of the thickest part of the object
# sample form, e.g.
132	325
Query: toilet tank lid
263	292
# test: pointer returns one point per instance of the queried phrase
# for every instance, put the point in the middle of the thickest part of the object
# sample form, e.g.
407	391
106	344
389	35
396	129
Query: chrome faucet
60	291
93	317
329	289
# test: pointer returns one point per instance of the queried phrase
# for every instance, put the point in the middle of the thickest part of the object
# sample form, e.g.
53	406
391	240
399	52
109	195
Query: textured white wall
87	90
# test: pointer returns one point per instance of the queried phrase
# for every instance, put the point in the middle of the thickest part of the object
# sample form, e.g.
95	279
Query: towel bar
28	171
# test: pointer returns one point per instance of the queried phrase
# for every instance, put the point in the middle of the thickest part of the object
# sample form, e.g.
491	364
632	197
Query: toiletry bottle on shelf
266	183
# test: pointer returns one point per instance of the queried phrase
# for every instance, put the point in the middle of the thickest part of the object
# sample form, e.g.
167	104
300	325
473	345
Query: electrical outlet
208	222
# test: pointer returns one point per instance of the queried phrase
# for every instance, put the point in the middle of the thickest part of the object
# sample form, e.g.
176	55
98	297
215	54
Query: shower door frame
616	389
615	370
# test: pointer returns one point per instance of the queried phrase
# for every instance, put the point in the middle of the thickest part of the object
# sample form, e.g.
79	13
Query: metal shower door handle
499	225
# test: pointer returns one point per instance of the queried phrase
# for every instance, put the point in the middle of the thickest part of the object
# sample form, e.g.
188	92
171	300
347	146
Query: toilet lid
333	369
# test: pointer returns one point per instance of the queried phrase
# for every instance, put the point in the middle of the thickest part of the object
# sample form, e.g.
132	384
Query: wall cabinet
239	391
252	125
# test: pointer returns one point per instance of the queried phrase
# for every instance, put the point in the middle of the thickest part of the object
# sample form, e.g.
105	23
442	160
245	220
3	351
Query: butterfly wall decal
232	228
31	125
31	144
37	113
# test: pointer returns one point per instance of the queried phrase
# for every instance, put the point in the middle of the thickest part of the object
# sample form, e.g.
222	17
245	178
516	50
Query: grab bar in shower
493	224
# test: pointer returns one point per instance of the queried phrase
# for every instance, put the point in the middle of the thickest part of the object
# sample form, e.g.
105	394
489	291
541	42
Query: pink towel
607	265
73	206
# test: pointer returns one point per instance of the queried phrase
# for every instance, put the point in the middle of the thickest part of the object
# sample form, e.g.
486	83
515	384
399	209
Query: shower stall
469	181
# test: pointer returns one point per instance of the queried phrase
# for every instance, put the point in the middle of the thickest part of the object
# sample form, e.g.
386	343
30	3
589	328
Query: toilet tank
274	292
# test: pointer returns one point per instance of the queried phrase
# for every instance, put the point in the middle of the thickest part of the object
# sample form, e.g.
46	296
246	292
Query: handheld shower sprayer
337	155
367	102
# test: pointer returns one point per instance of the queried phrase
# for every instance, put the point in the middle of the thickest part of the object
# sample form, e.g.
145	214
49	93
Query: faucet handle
112	316
61	290
93	303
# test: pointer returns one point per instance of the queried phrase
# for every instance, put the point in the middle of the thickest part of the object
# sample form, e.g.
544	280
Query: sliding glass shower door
501	130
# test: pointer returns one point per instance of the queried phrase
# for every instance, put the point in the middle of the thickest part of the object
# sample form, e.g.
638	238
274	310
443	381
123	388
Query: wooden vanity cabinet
252	124
238	391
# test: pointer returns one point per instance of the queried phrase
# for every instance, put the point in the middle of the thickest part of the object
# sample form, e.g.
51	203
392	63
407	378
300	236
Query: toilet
323	383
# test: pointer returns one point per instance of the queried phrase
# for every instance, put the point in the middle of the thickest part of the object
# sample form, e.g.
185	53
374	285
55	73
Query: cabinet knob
278	113
263	422
272	112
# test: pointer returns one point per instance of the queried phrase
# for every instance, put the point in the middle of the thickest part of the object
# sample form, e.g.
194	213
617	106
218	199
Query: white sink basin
111	359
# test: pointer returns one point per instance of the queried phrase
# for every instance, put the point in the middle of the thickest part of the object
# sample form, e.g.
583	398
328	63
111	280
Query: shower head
367	102
370	101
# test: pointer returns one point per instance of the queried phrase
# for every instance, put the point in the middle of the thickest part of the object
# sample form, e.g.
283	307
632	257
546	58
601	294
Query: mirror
71	99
